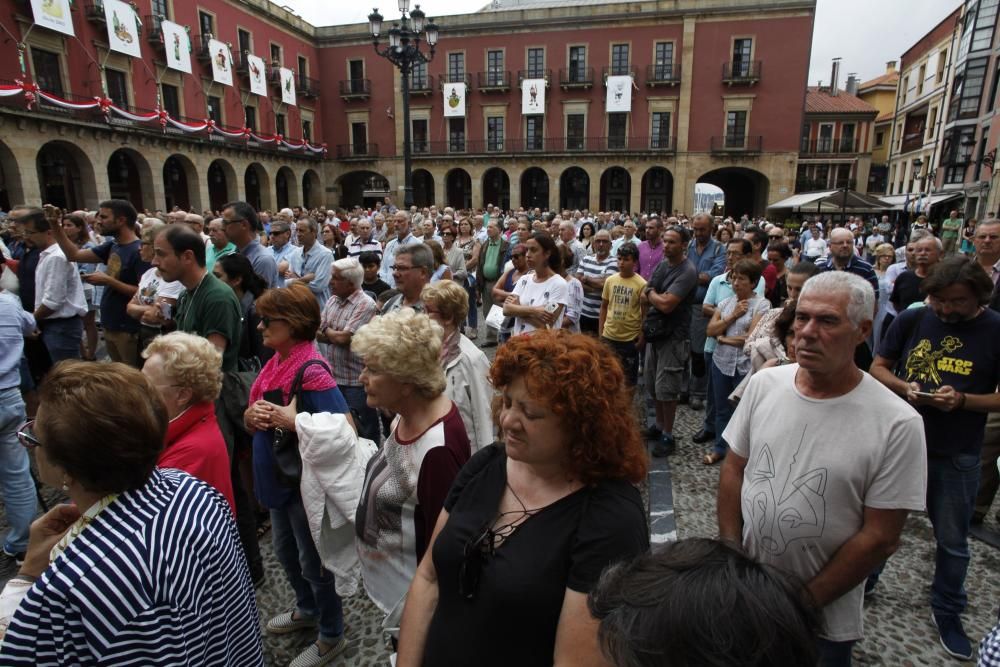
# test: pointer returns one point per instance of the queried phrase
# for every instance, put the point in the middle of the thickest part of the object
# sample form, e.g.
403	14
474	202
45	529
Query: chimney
852	84
835	77
890	67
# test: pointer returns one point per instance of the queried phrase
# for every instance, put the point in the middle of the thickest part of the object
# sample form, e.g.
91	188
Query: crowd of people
186	380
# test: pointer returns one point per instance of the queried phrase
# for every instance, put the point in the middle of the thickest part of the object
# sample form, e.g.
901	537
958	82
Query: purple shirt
649	257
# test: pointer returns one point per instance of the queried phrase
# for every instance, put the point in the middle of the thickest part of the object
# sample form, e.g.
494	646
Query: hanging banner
54	15
454	100
123	28
177	44
222	62
619	94
258	75
287	86
533	96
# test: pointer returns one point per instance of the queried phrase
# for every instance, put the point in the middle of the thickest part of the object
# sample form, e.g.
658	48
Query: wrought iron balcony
737	143
576	77
308	87
609	71
421	85
546	74
200	45
667	74
356	89
357	151
445	79
518	146
823	146
94	10
493	81
741	72
154	33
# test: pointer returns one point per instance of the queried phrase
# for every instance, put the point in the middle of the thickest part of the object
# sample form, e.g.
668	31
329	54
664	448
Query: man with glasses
411	271
403	239
242	227
219	244
594	270
492	256
15	476
284	252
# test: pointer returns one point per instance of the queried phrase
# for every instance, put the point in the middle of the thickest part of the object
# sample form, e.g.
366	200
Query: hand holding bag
285	443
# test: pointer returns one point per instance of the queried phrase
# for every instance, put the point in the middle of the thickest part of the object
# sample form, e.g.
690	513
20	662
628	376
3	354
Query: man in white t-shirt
825	462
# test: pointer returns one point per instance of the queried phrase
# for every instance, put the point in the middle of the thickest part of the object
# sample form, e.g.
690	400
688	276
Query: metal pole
407	165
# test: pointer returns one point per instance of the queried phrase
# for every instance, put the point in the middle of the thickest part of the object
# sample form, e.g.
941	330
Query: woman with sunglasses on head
529	526
142	557
289	320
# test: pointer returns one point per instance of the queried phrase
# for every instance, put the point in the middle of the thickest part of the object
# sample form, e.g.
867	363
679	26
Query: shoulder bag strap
296	388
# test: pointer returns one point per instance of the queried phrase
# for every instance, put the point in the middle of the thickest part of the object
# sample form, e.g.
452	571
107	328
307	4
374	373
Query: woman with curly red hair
530	524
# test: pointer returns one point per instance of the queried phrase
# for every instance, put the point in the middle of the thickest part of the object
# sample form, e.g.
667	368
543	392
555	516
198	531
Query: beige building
880	93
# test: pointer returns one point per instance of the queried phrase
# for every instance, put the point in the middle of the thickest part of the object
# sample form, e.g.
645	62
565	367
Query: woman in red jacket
185	369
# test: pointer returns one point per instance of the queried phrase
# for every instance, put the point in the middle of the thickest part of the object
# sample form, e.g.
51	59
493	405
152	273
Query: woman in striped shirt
144	567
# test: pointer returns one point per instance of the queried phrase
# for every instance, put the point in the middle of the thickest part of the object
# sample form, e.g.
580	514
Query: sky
863	33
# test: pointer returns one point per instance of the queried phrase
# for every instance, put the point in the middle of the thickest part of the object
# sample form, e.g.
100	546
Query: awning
899	201
832	200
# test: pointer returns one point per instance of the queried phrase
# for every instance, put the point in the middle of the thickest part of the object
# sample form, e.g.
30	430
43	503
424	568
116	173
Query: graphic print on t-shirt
924	363
796	512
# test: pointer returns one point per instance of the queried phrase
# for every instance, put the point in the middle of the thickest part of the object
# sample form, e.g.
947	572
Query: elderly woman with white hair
185	369
465	365
407	481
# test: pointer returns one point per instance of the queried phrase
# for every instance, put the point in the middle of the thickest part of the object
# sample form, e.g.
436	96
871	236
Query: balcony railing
512	146
200	45
663	75
154	33
494	81
828	145
94	10
359	151
607	71
576	77
737	143
445	79
356	89
422	85
741	72
308	87
546	74
912	142
242	64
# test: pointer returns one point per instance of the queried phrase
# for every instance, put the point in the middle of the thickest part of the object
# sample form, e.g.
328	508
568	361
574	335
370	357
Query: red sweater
194	444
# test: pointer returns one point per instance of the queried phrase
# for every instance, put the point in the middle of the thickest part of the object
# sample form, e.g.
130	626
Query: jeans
62	337
628	355
315	589
15	474
473	310
951	497
722	386
366	416
834	654
709	425
698	385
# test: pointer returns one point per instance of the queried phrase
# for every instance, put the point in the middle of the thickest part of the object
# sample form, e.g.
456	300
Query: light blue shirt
719	290
318	260
288	253
389	256
15	324
262	262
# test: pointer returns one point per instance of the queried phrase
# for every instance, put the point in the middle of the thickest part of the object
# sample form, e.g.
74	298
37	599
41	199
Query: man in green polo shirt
950	230
490	269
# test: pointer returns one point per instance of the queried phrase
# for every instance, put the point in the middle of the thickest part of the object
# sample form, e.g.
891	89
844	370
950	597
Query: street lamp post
404	52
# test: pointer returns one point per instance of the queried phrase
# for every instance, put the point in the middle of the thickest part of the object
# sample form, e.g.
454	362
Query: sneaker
282	624
311	657
665	447
696	403
18	557
652	433
703	436
870	584
953	639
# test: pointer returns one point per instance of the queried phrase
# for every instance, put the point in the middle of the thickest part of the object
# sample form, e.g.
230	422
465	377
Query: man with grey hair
282	249
827	444
594	270
347	310
411	271
403	238
311	267
567	237
927	252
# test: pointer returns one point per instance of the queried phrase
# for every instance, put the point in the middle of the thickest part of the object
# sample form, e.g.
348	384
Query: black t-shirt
376	287
906	290
963	355
682	281
124	264
513	616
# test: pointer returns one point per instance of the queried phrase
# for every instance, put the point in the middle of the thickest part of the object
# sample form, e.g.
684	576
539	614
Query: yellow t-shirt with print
624	319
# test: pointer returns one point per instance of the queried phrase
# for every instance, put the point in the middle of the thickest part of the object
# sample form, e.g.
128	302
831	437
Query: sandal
711	459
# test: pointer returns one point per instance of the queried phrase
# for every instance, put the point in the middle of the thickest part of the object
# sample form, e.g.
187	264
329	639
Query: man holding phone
950	356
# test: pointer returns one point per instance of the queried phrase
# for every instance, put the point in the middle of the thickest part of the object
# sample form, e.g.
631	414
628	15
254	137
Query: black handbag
285	444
